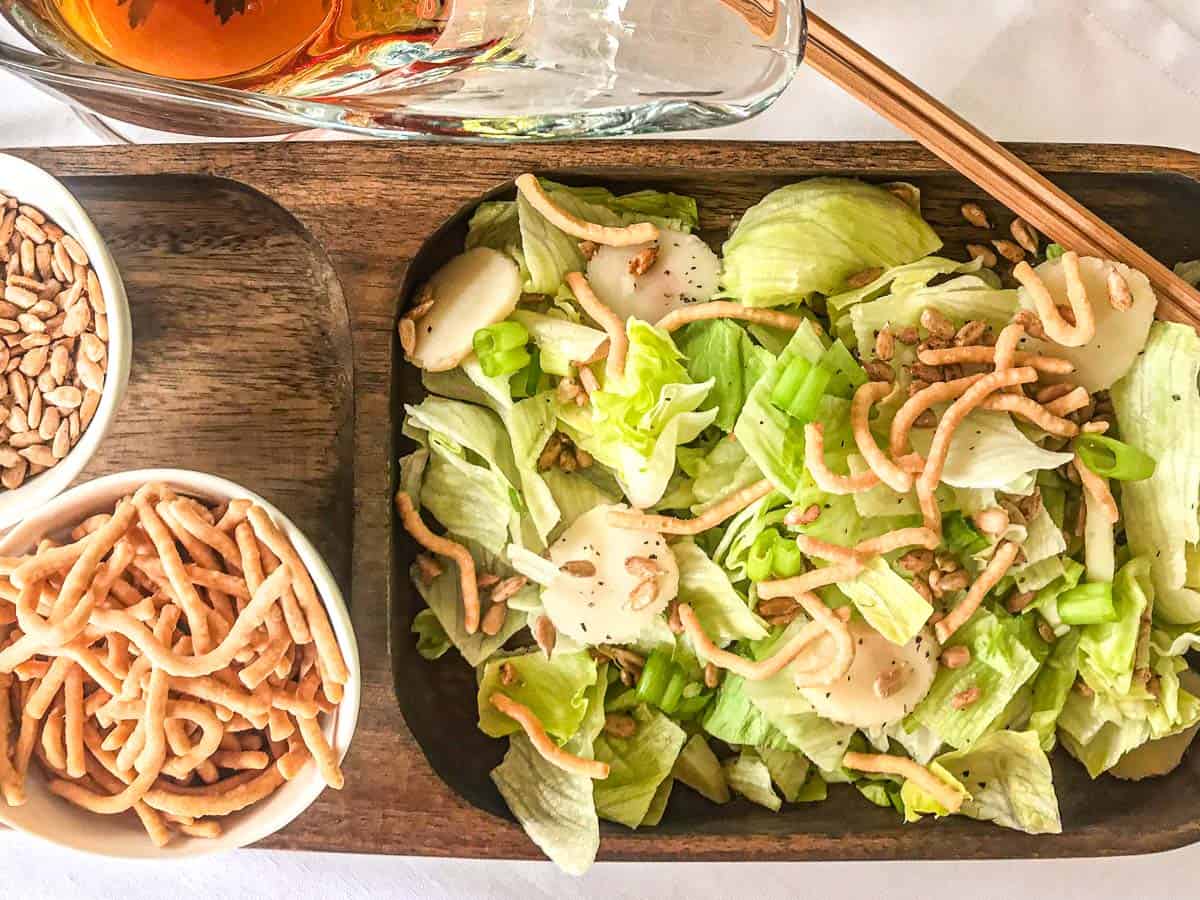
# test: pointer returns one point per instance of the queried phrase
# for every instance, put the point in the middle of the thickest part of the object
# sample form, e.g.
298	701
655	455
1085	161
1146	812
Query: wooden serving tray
265	282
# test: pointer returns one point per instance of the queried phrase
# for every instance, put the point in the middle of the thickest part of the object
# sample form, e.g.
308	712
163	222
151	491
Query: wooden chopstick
996	170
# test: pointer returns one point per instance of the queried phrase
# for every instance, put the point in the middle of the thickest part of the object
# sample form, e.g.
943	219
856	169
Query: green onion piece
786	559
1113	459
807	403
656	675
759	562
790	382
674	691
530	378
847	373
506	362
1087	604
500	337
1054	251
961	537
690	707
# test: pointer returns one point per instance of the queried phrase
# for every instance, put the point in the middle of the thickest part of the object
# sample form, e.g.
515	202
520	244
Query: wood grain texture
373	207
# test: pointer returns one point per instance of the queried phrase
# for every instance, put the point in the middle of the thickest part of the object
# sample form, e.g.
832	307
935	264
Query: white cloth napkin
1054	70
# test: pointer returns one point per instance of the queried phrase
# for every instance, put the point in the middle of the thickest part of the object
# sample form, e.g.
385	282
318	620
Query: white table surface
1053	70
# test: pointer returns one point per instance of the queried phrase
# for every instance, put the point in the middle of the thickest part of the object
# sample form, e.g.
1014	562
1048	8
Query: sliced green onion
1113	459
501	348
500	337
1054	251
1087	604
530	378
674	691
807	403
690	707
847	373
961	537
760	560
790	382
786	559
507	362
656	675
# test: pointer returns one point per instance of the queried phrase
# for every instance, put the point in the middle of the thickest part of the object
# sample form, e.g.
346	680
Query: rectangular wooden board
382	216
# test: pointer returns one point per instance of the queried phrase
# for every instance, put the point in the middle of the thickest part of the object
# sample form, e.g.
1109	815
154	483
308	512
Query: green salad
825	508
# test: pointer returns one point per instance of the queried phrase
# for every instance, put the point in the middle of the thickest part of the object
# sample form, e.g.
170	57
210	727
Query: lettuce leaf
638	419
1158	411
915	801
560	341
749	776
554	689
961	299
900	279
699	768
639	765
721	350
658	804
742	530
1109	648
888	602
1051	686
785	720
788	771
810	237
530	424
444	597
989	451
472	502
577	493
1008	778
432	640
555	807
775	440
732	718
1000	664
497	224
1101	728
705	587
724	469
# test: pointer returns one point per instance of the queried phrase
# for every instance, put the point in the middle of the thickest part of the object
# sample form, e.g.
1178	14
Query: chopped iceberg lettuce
1000	665
639	764
888	602
749	776
810	237
640	417
1008	779
555	690
705	587
1158	411
721	350
699	768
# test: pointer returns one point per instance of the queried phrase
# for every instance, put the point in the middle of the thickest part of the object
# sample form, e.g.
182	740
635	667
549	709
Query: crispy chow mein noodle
123	709
885	764
773	664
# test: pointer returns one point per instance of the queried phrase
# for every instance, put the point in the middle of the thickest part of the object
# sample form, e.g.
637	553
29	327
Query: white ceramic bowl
31	185
48	817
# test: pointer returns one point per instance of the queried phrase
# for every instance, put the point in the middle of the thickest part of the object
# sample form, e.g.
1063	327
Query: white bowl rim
342	725
39	188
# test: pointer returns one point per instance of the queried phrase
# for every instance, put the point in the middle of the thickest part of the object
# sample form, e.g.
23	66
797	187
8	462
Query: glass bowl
487	70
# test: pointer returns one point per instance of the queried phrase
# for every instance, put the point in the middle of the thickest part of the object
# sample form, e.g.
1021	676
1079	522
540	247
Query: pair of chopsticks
1031	196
